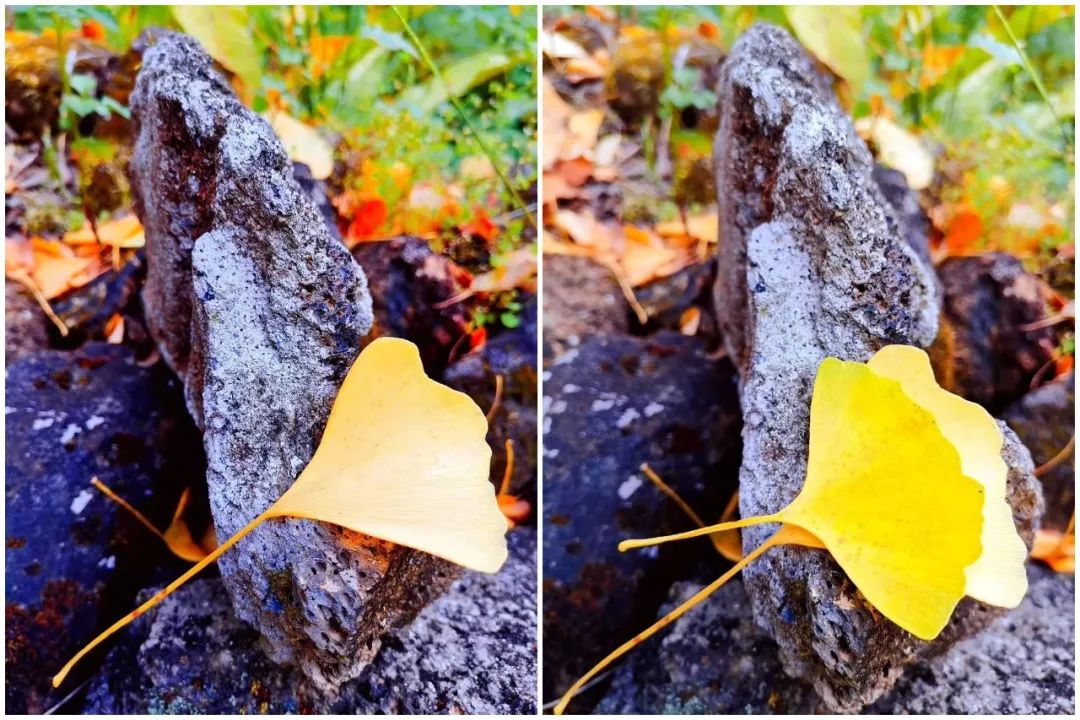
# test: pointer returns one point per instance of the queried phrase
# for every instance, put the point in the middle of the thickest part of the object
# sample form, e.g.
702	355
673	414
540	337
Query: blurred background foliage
405	158
988	91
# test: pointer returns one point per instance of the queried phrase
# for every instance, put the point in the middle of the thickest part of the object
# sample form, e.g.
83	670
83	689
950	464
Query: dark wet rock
611	404
512	355
261	312
32	86
715	661
582	299
1023	664
812	265
87	310
317	193
1045	421
667	299
408	281
72	556
914	223
982	352
25	325
471	651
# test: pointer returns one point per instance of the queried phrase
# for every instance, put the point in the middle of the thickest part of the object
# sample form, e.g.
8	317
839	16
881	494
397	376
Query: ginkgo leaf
303	143
402	458
905	487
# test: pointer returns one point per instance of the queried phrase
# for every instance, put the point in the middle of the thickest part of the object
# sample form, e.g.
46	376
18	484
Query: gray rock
1023	664
1045	421
610	405
25	330
983	353
471	651
582	299
914	223
716	661
72	556
261	313
812	265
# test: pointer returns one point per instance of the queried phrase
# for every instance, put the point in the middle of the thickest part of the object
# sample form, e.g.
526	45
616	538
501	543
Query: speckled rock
510	355
261	313
812	264
1045	421
582	299
72	556
982	352
1023	664
471	651
24	323
716	661
611	404
914	223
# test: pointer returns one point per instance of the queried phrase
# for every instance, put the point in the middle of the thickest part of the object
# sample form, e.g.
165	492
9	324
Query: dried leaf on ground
303	143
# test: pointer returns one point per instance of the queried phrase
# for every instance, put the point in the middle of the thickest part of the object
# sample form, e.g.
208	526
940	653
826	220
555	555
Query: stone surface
471	651
261	313
716	661
25	330
512	355
1044	419
667	299
982	352
1023	664
408	281
73	556
582	299
812	265
914	225
610	405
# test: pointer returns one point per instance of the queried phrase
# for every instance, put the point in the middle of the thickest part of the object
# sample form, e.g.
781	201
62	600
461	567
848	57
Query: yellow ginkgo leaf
402	458
303	143
905	487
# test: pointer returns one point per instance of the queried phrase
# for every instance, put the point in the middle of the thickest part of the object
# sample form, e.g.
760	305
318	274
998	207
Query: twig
23	278
1053	462
504	488
592	683
468	121
67	697
498	398
126	505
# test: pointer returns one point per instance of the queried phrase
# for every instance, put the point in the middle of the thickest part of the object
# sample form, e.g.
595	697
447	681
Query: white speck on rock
81	501
94	421
108	562
629	487
42	423
570	389
69	433
629	415
547	424
653	408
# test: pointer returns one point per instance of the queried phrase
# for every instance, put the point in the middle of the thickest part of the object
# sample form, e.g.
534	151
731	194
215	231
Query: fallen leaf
517	270
705	227
905	488
834	34
965	230
114	329
303	143
690	320
122	232
899	149
1056	549
389	421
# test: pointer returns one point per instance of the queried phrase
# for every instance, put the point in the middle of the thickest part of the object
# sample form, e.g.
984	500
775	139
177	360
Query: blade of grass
1034	75
465	117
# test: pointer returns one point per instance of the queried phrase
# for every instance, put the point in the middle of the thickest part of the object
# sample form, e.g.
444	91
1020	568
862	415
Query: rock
668	298
812	265
473	651
316	193
1023	664
1045	421
582	299
408	281
512	355
715	661
982	353
610	405
87	310
72	555
261	313
914	223
25	325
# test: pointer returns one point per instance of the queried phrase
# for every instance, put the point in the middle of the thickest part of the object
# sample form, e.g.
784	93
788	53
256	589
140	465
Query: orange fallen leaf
965	229
705	227
122	232
114	329
367	218
518	270
690	320
1056	549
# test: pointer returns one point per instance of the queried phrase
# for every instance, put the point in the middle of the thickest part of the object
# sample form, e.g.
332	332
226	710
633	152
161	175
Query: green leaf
833	34
460	77
224	34
388	40
362	81
83	84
